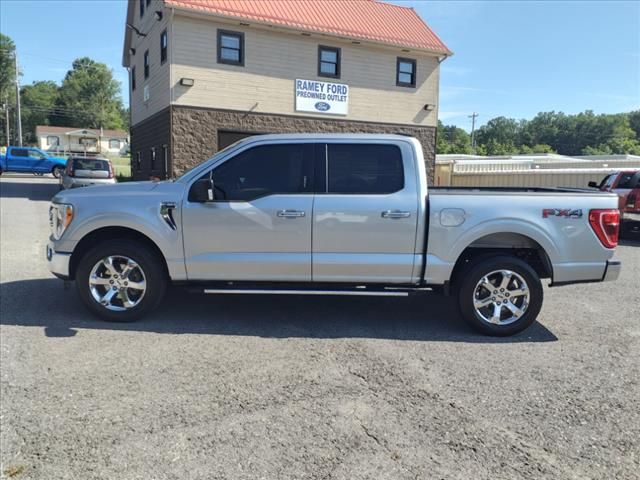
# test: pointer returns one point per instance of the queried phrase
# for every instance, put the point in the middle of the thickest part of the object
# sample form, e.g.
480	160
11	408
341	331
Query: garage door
226	138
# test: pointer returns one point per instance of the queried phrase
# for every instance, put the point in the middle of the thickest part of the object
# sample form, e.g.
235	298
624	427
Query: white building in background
70	140
530	170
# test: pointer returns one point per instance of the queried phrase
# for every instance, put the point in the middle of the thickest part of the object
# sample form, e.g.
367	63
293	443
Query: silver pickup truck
329	215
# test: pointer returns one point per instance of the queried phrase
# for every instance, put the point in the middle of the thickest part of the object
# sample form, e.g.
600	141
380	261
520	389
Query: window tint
90	164
406	72
163	47
328	62
20	152
230	47
265	170
627	180
360	168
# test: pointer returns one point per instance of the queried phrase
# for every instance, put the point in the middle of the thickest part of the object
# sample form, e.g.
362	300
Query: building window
146	64
53	141
133	78
141	8
230	47
138	161
163	47
153	158
406	72
328	62
114	143
88	141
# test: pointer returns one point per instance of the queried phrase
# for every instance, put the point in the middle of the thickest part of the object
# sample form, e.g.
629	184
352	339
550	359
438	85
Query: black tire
467	295
57	171
148	262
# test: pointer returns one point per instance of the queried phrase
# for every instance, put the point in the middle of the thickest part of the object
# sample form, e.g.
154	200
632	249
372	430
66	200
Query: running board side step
363	293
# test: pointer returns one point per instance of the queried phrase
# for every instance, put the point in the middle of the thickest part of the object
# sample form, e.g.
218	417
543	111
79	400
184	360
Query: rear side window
265	170
20	152
364	169
90	164
627	180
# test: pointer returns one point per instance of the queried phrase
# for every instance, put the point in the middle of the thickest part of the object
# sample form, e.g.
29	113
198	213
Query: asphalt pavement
231	387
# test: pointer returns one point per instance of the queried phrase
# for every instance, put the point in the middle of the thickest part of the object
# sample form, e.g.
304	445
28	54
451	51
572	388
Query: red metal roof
357	19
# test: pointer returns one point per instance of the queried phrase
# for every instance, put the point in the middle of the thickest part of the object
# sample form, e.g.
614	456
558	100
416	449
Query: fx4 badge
561	212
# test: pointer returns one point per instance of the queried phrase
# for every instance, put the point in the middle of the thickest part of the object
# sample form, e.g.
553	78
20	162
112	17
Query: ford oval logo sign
322	106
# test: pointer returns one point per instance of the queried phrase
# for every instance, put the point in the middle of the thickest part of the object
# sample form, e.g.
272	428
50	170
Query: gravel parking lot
230	387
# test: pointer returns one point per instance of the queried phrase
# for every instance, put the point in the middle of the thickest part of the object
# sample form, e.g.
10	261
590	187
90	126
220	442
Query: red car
626	184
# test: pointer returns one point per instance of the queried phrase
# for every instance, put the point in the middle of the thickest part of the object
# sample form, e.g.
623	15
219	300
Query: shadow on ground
45	303
39	191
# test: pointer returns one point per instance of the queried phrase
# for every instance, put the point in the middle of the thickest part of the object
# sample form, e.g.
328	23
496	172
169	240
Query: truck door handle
290	213
395	214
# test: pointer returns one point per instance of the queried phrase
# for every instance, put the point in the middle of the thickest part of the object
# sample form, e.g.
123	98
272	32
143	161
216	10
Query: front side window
265	170
328	62
627	180
163	47
52	140
133	78
230	47
146	64
406	72
364	169
36	154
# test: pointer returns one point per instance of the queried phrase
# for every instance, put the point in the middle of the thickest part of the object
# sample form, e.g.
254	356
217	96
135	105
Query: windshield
219	152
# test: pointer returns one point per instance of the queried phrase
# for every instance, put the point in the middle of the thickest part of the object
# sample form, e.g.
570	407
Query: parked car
631	212
625	184
86	171
31	160
330	215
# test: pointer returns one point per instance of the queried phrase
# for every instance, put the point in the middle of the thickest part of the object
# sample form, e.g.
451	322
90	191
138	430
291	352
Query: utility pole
473	117
18	114
7	129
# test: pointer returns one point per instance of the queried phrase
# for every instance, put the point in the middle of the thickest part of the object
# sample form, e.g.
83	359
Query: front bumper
58	262
612	272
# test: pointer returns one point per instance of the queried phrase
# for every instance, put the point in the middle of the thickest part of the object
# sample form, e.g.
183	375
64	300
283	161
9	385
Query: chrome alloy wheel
501	297
117	283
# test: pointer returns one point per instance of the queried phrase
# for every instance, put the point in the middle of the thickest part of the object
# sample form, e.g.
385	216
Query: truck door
364	223
18	160
258	227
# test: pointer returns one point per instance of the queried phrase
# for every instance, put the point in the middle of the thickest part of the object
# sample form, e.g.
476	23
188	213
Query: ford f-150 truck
31	160
335	215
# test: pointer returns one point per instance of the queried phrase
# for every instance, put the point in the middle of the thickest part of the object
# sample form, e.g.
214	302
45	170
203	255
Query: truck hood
119	190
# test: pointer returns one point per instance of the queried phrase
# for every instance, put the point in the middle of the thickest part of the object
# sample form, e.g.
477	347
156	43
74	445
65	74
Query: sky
511	58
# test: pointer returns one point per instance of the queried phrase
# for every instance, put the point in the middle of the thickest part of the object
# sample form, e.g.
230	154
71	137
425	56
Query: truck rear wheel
500	295
120	281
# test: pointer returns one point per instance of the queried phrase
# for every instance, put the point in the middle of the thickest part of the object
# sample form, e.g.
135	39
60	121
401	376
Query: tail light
606	225
631	200
110	170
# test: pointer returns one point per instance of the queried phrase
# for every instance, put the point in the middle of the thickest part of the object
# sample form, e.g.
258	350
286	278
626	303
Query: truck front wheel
120	281
500	296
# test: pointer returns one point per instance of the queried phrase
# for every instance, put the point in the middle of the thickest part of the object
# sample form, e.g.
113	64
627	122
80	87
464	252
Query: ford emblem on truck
322	106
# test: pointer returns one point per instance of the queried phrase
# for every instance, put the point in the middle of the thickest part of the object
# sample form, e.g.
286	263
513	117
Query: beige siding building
204	73
69	140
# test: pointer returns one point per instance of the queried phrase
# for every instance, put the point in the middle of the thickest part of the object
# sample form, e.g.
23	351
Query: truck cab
31	160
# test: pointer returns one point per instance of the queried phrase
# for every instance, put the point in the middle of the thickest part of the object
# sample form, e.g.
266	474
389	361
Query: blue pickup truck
31	160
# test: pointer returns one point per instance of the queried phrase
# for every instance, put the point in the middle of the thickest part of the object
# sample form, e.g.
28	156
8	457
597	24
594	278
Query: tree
452	139
38	103
634	122
89	97
7	79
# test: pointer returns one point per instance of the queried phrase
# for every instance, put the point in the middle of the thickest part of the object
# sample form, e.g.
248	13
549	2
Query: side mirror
202	191
593	184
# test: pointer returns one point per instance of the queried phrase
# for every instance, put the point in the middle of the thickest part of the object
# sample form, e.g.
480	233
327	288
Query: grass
122	166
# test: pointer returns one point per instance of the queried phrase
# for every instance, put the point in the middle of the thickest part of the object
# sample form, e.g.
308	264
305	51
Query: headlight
60	216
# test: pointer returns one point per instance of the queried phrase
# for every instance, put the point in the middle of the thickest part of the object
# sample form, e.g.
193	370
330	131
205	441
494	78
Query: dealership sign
322	97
